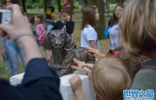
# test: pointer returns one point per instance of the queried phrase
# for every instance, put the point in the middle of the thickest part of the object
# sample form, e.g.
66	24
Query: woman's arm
35	86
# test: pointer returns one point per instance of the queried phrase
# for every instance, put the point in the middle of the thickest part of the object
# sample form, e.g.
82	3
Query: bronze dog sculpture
63	52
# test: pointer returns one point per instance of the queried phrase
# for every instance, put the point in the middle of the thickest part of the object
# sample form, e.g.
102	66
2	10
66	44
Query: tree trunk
59	5
101	22
24	7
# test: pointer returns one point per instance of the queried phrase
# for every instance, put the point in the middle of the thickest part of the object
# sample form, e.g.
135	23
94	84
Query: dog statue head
58	39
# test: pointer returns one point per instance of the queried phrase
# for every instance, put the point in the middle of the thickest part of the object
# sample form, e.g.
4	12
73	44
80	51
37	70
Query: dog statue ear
46	44
69	43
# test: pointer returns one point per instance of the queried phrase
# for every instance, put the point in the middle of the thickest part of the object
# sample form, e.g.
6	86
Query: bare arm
93	44
80	95
76	85
44	32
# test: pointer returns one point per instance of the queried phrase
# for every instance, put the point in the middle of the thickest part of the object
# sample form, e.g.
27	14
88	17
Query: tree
101	22
24	7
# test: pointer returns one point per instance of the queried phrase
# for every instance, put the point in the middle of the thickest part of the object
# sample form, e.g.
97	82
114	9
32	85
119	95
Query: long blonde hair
110	76
138	27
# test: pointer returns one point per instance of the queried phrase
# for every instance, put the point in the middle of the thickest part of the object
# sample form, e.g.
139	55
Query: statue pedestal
65	87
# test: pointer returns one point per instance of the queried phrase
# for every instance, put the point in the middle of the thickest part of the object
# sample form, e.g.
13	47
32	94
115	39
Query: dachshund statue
63	52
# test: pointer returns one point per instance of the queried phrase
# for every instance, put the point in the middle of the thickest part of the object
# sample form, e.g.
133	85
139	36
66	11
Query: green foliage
34	4
116	1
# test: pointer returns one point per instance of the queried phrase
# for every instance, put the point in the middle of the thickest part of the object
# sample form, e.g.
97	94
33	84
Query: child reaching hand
108	79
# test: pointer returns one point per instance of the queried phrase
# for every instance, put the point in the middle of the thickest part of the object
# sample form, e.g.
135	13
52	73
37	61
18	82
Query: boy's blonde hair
110	76
138	27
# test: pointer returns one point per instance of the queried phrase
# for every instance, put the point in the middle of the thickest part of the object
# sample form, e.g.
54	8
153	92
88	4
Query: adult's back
145	77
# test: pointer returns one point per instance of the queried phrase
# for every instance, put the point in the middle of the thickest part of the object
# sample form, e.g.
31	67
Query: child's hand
76	83
39	38
82	66
88	70
68	18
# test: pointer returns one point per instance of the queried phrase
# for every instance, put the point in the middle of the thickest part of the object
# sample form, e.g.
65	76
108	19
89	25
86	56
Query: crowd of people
132	33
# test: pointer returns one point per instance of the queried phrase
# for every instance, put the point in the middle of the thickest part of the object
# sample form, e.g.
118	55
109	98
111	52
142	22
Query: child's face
96	14
64	16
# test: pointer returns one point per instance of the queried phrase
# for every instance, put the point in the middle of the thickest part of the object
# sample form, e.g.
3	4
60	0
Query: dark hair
14	2
32	20
88	16
41	19
66	10
114	19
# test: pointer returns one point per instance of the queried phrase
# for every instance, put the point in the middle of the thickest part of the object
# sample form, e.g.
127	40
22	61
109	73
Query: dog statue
63	52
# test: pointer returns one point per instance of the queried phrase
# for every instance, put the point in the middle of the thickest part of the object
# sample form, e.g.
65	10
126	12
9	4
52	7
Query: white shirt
114	35
88	34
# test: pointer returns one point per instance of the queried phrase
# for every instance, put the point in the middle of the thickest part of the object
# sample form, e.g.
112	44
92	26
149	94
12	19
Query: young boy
108	79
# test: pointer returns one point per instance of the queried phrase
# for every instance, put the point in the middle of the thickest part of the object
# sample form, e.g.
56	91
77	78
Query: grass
104	47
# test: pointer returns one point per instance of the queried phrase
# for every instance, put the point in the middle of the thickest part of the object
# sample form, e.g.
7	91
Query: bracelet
14	39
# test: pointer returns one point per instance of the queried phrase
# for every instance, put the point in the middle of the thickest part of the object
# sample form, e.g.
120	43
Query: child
108	79
40	29
41	33
89	37
65	24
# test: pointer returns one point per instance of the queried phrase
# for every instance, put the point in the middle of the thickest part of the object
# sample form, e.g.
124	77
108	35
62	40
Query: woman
40	82
138	26
114	31
12	49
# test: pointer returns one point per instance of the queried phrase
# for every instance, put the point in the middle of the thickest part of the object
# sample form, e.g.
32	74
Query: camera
5	16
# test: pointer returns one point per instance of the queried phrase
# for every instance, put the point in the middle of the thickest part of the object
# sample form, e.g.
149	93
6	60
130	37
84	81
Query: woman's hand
18	28
97	54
